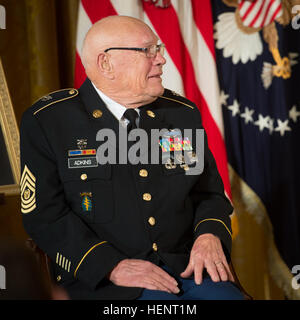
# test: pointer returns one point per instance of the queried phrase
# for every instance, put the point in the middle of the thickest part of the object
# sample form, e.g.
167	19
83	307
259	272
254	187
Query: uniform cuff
218	228
96	263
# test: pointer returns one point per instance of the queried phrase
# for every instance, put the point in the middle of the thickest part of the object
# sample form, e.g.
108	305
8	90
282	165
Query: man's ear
105	66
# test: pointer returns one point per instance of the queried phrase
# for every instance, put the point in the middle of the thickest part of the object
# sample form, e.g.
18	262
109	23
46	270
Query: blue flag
257	48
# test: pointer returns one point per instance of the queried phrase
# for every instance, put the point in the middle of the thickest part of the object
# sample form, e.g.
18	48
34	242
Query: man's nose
159	59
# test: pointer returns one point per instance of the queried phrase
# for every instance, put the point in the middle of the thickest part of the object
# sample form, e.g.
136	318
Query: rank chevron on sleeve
28	186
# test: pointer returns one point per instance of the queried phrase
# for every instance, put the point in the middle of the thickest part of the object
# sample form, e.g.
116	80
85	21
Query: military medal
175	144
192	156
179	158
170	164
187	145
184	166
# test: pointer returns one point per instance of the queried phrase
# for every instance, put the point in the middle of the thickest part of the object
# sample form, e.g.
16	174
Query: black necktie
131	115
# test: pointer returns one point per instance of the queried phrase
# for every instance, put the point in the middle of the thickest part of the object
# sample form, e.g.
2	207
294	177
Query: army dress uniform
89	216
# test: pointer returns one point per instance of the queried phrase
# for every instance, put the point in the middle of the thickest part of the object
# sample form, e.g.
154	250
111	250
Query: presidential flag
257	54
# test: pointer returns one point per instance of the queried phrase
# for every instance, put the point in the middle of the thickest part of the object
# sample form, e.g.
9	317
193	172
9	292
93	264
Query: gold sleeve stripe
63	261
212	219
60	257
69	265
56	101
187	105
92	248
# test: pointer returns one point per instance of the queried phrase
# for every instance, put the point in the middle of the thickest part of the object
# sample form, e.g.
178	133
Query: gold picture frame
10	136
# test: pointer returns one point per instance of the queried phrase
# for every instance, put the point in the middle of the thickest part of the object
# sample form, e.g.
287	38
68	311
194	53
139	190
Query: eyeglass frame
157	46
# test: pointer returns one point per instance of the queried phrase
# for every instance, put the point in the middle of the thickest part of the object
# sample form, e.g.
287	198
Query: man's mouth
157	76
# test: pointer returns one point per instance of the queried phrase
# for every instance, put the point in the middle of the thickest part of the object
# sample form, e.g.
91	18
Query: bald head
112	31
129	77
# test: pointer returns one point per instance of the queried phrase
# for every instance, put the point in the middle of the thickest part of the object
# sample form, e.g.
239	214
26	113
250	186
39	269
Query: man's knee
209	290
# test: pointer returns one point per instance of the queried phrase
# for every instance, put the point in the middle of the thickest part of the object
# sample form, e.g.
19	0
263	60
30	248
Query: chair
42	258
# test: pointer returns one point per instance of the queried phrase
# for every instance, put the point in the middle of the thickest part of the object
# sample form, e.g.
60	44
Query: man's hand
207	253
143	274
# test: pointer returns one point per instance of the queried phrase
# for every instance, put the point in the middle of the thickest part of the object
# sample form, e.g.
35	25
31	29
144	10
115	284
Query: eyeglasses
150	51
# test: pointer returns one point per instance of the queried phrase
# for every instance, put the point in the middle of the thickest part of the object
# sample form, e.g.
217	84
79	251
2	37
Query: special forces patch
86	202
28	186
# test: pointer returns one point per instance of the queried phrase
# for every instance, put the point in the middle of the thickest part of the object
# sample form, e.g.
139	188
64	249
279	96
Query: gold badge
81	144
28	186
151	114
97	113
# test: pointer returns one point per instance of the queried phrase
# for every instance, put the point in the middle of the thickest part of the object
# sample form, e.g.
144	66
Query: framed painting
9	142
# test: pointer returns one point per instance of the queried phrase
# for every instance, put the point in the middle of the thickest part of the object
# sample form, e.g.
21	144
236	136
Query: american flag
259	13
186	28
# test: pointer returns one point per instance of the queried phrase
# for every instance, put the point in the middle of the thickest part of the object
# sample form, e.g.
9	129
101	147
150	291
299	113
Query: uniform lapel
99	115
92	103
153	117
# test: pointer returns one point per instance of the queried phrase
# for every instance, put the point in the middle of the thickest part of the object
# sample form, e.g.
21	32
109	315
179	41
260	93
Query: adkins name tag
86	162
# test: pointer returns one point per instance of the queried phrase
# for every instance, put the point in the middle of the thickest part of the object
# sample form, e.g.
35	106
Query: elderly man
115	230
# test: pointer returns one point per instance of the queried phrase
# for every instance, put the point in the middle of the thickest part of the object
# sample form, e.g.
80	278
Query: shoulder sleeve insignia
28	186
53	98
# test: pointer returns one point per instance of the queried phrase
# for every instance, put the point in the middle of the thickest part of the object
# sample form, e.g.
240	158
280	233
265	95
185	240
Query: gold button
151	221
97	113
83	176
150	113
143	173
147	196
72	91
58	278
154	246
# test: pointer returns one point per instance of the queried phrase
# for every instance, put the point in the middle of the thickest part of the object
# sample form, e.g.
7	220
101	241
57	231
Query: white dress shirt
115	108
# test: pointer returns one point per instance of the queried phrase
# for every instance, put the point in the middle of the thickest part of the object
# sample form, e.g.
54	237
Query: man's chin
158	91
